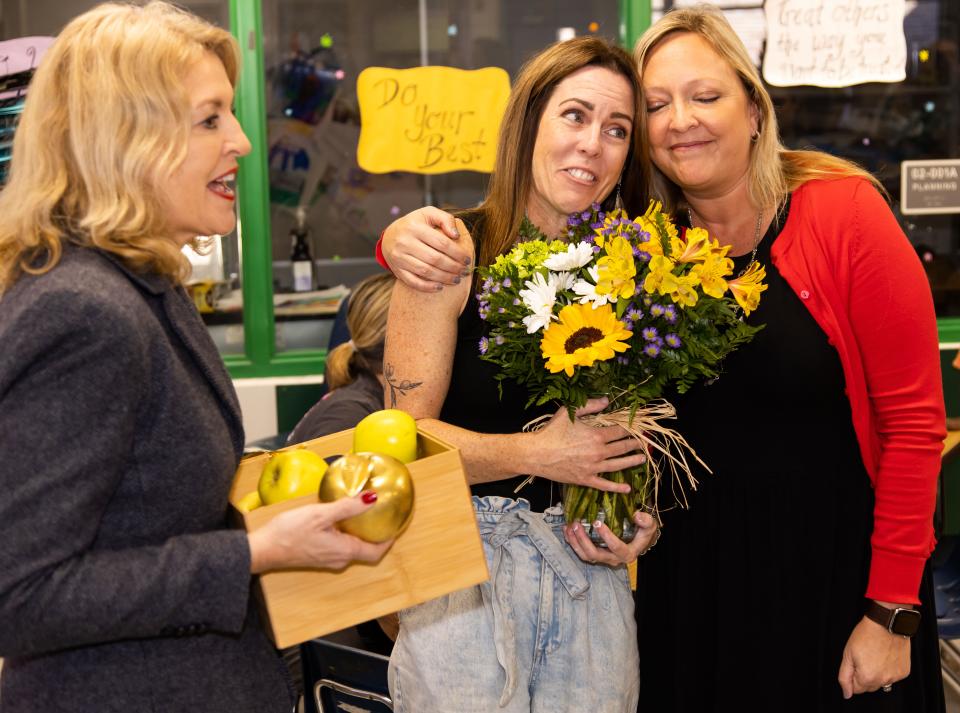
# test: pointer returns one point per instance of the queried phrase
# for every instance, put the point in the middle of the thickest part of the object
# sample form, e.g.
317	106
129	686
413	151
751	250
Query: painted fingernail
465	273
597	524
466	261
368	496
575	527
439	287
456	280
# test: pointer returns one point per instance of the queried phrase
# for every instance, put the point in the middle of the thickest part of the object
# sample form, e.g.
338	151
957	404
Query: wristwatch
904	622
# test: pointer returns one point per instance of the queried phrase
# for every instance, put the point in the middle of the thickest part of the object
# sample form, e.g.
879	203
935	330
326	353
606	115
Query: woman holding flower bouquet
548	631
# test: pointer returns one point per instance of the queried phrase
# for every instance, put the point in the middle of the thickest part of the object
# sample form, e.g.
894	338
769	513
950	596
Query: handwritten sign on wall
834	43
430	119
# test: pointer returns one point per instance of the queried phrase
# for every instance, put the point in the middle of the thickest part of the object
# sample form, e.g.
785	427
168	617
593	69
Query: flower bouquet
624	308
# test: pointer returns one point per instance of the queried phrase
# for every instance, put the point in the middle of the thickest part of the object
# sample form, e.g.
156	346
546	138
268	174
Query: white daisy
539	297
576	255
588	292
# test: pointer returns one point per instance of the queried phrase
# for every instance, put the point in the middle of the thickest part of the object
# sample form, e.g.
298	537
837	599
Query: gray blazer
121	586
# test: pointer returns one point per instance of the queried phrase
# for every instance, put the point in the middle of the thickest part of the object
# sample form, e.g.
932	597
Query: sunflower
583	336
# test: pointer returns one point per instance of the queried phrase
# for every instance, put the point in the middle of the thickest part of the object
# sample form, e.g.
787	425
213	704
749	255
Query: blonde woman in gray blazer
122	588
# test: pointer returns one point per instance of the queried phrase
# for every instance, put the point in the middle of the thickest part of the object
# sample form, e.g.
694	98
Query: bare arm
421	340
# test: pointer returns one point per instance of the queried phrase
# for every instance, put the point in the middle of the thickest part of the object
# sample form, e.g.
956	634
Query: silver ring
887	688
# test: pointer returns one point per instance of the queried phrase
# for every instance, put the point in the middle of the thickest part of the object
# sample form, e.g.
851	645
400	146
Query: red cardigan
845	256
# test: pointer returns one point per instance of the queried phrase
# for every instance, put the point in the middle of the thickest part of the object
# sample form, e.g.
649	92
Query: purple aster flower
652	350
647	301
585	215
670	312
622	360
507	282
483	310
486	284
657	310
596	249
499	339
634	313
628	324
673	341
501	310
573	220
650	333
595	206
516	301
511	324
484	345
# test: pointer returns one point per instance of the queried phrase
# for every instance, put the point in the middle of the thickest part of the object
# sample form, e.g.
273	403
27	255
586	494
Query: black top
751	594
340	409
473	401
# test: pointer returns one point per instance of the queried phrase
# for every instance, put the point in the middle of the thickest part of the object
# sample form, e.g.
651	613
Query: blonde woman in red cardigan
798	579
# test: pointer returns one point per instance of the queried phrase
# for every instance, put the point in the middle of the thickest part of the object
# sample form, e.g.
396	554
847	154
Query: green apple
391	431
389	478
291	474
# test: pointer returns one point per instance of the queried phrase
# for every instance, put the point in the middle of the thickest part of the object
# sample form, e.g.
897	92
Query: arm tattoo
397	385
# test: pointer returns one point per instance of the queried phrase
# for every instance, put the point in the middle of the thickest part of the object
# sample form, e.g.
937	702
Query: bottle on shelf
301	260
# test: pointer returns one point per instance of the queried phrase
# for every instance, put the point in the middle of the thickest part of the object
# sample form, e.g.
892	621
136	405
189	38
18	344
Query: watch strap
901	621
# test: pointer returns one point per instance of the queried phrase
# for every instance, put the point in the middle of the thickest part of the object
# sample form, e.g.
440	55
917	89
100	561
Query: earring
618	202
755	136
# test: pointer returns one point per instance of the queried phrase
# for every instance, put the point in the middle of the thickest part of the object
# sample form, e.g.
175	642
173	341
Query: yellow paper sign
430	119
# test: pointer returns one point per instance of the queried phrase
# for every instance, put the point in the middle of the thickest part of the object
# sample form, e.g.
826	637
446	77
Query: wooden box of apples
437	550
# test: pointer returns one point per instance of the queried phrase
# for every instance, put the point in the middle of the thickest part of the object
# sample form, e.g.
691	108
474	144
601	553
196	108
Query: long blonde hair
367	322
512	178
106	120
774	170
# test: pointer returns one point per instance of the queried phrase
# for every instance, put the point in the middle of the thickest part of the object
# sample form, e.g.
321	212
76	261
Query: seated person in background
354	376
354	372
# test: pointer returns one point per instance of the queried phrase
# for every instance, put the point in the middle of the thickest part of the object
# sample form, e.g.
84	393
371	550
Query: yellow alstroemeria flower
660	278
747	287
711	273
694	246
617	269
685	293
608	230
582	336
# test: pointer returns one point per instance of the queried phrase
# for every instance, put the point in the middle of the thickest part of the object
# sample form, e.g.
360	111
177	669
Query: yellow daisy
583	336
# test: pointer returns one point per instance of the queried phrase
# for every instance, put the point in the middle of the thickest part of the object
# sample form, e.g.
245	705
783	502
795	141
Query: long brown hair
106	120
774	170
512	178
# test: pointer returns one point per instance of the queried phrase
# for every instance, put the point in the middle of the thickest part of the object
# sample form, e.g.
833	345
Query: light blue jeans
546	632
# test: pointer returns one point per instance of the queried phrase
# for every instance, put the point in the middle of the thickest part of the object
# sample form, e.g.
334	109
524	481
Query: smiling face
699	118
199	195
582	142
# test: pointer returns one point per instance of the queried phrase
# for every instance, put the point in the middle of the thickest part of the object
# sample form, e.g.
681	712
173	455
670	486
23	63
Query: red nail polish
369	497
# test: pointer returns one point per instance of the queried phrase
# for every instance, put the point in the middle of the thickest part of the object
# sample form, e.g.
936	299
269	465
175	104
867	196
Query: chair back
339	677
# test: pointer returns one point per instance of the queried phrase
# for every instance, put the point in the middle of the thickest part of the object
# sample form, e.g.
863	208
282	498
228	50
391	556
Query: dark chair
946	583
340	676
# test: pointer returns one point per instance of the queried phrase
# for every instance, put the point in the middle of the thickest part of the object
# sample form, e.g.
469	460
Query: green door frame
260	358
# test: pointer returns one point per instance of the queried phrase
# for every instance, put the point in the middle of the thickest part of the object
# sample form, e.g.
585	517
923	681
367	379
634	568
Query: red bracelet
379	253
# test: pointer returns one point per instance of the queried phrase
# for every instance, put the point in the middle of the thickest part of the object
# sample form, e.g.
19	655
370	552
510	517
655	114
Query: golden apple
391	432
291	474
385	475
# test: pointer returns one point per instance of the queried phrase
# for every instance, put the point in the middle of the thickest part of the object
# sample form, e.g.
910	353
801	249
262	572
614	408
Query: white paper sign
834	43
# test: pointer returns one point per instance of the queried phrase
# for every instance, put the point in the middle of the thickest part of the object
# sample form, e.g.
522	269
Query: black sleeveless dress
748	600
473	401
